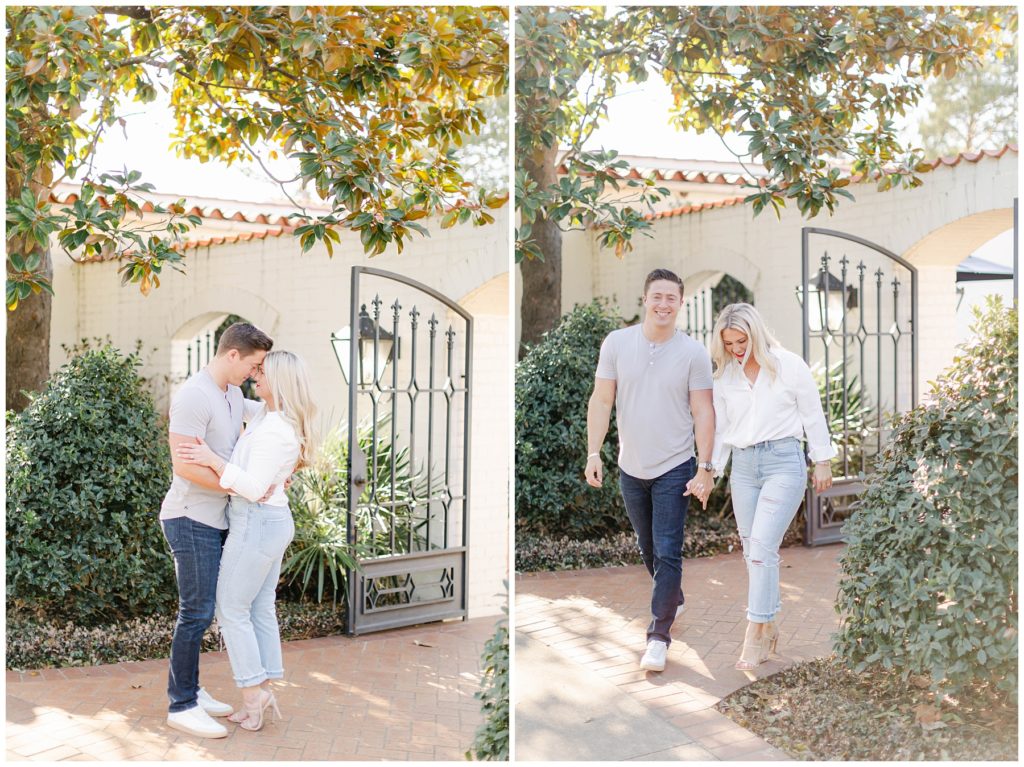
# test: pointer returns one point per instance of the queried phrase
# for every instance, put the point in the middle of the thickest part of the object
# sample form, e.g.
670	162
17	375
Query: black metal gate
409	375
860	335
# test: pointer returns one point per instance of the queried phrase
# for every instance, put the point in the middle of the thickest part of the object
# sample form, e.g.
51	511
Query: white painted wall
299	299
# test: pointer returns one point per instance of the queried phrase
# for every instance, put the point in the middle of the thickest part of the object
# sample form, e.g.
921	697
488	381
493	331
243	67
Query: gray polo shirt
652	397
202	409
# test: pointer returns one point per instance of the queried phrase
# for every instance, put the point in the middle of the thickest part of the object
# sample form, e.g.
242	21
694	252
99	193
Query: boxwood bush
554	381
929	577
87	468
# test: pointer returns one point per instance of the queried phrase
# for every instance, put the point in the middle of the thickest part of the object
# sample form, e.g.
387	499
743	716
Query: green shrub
32	645
553	384
491	741
929	577
87	468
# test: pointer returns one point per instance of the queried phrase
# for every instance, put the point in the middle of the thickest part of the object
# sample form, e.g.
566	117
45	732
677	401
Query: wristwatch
706	466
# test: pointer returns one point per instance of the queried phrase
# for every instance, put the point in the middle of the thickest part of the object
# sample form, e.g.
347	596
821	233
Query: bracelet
593	455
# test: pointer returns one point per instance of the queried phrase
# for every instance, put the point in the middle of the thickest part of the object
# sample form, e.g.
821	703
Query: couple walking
678	422
227	520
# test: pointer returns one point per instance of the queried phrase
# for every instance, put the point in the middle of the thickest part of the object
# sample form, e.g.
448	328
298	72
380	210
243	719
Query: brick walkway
398	695
597	619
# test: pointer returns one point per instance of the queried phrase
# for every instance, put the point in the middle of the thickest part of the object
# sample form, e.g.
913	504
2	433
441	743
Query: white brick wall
299	299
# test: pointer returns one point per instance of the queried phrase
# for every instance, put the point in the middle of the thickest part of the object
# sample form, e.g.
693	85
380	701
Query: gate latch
358	468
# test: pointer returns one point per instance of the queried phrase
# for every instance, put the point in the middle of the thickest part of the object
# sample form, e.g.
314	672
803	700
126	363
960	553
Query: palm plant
320	553
850	428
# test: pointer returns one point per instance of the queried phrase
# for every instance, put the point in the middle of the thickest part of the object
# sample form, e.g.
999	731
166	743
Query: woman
765	401
277	441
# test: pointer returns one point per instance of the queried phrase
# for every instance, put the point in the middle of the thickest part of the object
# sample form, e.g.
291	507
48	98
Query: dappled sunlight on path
597	620
398	695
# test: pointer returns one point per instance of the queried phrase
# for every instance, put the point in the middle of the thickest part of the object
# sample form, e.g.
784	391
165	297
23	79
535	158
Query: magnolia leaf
33	66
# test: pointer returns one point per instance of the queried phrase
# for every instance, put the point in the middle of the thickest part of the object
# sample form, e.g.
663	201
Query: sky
145	145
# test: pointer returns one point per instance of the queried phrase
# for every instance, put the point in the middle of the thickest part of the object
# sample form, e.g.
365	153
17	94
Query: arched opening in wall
195	344
705	295
985	273
959	264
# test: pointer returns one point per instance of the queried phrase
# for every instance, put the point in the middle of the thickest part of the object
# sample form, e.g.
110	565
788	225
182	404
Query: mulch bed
821	711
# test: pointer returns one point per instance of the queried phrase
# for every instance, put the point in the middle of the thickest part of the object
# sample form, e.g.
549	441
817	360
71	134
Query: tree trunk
28	344
28	326
542	280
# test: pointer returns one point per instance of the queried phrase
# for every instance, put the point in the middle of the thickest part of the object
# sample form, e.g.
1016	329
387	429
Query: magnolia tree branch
141	12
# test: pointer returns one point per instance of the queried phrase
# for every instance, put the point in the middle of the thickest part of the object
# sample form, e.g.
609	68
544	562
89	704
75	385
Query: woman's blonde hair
746	319
288	381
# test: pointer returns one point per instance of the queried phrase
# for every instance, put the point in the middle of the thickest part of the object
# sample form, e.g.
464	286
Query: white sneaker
212	706
197	722
680	609
654	658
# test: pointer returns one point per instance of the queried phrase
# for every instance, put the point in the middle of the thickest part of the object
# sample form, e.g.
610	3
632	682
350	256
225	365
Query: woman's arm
820	447
720	452
270	452
811	414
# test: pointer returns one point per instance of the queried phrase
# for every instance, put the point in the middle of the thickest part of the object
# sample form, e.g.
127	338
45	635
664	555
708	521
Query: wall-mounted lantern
369	333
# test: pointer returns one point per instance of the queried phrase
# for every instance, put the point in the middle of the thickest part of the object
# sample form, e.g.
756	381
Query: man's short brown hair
663	274
244	337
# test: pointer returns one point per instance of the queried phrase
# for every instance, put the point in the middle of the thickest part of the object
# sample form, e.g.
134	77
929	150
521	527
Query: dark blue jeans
196	549
657	510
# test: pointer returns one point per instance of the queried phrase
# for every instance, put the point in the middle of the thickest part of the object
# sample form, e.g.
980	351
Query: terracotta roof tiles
950	161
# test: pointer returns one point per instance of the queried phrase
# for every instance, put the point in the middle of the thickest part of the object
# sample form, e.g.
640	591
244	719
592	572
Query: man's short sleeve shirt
202	409
652	397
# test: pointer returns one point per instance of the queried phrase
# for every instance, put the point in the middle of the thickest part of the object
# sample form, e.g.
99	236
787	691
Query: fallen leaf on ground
927	714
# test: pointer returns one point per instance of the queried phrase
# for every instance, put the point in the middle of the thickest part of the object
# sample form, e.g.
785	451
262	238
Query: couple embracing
227	520
679	420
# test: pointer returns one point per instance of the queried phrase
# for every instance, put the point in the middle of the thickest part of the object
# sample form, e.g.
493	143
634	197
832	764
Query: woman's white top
788	406
264	455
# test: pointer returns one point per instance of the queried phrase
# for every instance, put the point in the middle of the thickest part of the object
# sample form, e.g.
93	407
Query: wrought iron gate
859	331
410	370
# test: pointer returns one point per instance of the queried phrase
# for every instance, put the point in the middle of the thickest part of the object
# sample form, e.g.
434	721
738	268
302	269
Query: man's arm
702	410
200	475
599	411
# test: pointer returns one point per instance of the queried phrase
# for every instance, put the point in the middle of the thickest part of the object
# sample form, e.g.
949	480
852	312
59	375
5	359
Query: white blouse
264	455
788	406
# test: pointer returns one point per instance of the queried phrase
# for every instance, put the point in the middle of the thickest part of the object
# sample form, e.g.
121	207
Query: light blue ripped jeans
768	481
250	567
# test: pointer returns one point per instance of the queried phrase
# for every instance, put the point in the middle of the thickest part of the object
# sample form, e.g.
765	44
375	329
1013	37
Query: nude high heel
759	641
255	719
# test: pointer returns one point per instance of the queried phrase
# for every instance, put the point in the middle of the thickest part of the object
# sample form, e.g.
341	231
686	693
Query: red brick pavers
598	618
397	695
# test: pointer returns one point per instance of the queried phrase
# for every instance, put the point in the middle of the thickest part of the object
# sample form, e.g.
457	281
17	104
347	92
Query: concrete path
398	695
579	691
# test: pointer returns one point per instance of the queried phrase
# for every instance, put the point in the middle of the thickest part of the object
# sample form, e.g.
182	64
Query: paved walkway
397	695
579	691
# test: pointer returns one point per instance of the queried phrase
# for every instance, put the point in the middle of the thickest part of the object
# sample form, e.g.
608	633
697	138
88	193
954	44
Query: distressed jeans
247	589
197	552
657	511
768	482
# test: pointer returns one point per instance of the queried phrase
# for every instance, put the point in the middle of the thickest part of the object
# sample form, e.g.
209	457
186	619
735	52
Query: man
659	380
208	406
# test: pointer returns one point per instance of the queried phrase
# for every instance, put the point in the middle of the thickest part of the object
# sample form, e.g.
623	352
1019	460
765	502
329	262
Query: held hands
700	486
199	453
594	472
822	477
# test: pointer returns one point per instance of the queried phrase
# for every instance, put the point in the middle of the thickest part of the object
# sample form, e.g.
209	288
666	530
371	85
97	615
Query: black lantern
826	294
370	333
